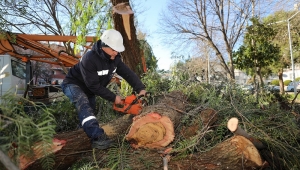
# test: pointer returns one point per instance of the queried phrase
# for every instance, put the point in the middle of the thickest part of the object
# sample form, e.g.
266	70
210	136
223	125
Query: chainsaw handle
147	94
119	107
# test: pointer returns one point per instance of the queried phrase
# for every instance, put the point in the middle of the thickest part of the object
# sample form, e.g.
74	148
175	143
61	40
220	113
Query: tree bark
236	152
133	56
77	145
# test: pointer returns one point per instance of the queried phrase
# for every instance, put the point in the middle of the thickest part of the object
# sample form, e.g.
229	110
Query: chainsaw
130	105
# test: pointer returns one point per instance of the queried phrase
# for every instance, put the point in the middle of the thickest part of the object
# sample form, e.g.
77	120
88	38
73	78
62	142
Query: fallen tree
153	131
161	116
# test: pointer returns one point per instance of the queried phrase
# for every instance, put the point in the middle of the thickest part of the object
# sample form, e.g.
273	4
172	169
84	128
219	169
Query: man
90	77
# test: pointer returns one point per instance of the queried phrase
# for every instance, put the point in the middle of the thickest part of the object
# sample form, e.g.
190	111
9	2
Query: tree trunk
133	56
281	83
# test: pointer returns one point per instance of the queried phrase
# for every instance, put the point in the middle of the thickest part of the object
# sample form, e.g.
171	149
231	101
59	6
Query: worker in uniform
90	77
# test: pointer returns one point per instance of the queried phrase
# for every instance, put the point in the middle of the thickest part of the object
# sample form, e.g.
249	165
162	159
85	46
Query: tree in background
41	71
56	17
217	23
151	61
72	17
257	51
278	21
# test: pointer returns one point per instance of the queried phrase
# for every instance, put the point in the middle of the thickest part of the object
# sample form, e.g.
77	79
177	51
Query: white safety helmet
113	39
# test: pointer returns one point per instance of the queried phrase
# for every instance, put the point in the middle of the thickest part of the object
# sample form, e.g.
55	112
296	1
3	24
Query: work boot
102	142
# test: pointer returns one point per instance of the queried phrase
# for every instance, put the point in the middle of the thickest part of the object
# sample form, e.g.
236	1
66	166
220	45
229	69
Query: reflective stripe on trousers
85	108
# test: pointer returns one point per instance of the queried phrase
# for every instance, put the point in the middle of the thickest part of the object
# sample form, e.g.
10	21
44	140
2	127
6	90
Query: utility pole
291	51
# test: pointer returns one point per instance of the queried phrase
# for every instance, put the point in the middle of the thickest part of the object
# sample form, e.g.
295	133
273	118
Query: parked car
290	87
248	88
276	88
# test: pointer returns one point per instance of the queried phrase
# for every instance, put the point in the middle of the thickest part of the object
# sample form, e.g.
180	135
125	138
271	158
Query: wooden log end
248	150
25	161
151	131
232	124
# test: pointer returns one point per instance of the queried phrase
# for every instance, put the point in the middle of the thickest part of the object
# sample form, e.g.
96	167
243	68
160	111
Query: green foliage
278	21
274	82
156	82
83	164
180	77
257	50
125	89
151	61
257	47
86	13
65	114
287	82
118	157
24	130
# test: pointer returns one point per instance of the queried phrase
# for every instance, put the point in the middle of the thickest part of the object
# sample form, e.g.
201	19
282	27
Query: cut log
233	126
154	127
236	152
77	144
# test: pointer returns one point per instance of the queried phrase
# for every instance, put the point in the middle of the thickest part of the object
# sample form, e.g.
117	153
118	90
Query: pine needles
23	134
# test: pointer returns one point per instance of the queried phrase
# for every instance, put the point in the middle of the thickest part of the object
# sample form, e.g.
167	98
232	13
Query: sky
148	22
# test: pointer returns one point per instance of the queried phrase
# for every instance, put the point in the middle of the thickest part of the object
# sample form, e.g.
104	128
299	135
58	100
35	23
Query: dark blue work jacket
95	70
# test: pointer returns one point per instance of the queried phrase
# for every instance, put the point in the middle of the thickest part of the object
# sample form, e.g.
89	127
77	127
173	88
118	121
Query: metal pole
291	51
292	58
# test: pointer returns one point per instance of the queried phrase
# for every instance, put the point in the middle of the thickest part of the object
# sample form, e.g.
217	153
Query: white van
12	75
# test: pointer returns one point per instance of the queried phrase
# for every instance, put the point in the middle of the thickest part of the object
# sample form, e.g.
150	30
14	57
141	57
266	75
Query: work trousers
85	107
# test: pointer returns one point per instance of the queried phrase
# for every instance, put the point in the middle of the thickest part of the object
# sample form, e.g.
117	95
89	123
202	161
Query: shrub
297	79
287	82
275	82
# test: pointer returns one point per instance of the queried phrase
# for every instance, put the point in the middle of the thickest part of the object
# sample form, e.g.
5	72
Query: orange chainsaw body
131	105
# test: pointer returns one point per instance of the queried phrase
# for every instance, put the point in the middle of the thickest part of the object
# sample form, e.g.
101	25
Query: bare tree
218	23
